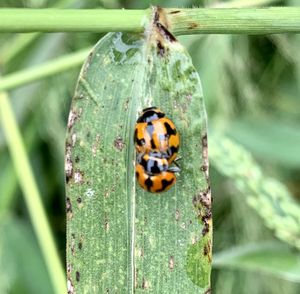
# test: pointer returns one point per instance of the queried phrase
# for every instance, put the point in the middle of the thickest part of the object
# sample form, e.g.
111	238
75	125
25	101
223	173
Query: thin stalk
31	194
273	20
182	21
71	20
41	71
243	3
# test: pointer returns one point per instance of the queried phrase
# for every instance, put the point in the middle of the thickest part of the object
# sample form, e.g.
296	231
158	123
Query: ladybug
155	132
153	172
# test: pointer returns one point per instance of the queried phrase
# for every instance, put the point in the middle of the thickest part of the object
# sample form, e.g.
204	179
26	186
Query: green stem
243	3
31	194
234	21
71	20
182	21
49	68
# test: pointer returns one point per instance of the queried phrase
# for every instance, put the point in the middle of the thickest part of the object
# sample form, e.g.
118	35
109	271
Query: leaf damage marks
68	163
192	26
77	274
160	31
73	116
69	209
70	287
145	284
78	177
205	165
207	250
202	204
95	146
119	143
72	246
171	262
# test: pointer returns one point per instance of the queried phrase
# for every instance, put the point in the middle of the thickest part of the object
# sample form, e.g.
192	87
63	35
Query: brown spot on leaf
69	209
69	270
192	25
96	145
171	262
145	284
177	215
74	138
80	243
119	143
77	276
78	177
70	287
165	33
73	116
207	250
202	204
73	244
160	49
174	11
208	291
68	163
136	271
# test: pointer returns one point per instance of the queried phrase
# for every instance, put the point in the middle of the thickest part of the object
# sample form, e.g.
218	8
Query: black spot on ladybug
148	184
154	167
153	146
144	163
150	114
169	130
77	276
137	174
139	142
172	150
165	183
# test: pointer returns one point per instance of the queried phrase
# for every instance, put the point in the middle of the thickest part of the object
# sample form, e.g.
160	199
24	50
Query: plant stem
49	68
182	21
71	20
234	21
243	3
31	194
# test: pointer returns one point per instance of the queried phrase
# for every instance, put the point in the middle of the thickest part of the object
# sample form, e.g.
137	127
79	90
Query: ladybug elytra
157	143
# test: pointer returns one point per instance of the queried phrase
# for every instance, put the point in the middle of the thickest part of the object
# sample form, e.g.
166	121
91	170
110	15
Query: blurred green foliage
251	87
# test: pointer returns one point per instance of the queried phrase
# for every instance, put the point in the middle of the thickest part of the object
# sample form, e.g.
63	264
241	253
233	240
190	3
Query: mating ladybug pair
156	142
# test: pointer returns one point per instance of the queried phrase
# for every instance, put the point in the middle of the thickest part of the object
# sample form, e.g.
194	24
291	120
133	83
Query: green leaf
22	268
271	258
121	239
272	140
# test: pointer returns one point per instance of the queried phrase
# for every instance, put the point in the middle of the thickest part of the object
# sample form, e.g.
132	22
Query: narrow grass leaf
271	258
119	237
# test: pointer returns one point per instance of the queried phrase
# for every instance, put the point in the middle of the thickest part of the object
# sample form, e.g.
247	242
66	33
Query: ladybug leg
174	169
175	161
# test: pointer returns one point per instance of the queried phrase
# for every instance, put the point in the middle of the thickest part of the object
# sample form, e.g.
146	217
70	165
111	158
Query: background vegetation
251	88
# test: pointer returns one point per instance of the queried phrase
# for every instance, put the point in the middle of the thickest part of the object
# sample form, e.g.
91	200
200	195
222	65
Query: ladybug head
150	114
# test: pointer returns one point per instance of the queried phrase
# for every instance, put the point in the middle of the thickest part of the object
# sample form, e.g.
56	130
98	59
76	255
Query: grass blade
119	237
